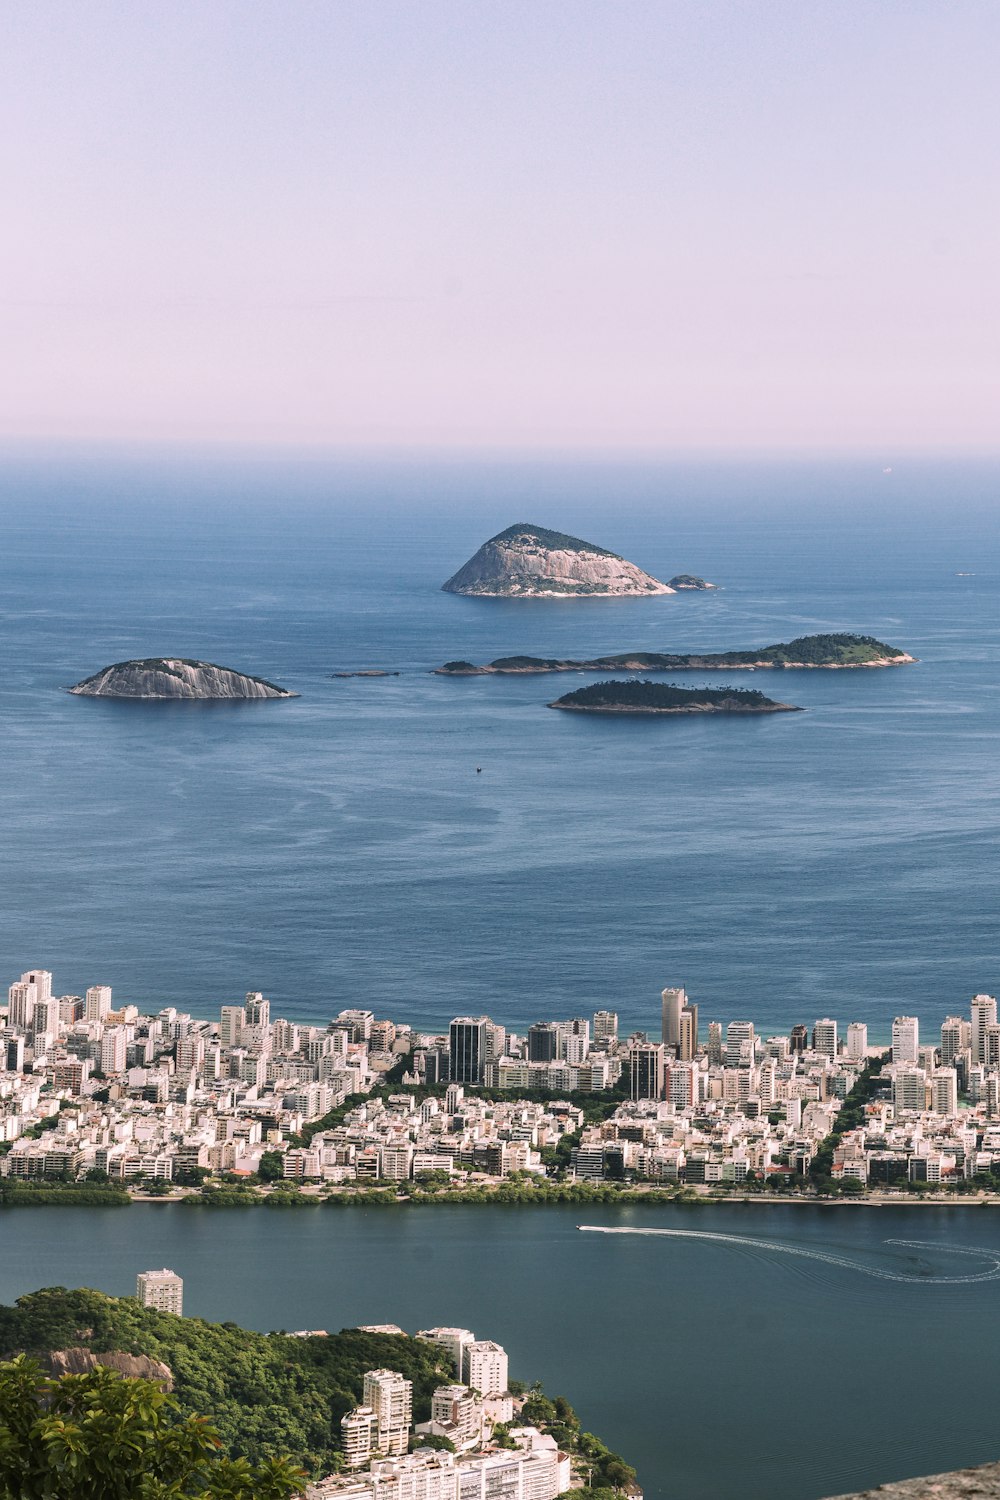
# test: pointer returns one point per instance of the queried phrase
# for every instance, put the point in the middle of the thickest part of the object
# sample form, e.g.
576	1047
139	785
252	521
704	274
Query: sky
525	224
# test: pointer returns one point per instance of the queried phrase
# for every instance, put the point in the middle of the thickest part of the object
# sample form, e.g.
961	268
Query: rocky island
531	562
690	581
806	651
635	697
163	677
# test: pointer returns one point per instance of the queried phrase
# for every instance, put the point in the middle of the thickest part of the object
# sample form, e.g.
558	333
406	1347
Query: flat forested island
830	651
637	697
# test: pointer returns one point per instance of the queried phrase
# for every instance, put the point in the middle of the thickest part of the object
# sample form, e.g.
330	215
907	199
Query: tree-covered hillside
268	1394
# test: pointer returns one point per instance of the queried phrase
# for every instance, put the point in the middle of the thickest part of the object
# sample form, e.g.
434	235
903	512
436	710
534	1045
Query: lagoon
723	1370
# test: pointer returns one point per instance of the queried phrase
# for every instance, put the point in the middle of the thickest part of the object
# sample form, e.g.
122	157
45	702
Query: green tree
271	1167
100	1436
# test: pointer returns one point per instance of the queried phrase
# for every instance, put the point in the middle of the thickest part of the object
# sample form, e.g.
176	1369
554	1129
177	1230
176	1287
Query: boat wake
990	1271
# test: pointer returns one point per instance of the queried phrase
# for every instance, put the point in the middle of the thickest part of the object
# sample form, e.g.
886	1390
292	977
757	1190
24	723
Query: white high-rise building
98	1002
906	1040
741	1040
114	1050
605	1027
484	1367
22	998
825	1037
956	1038
909	1090
984	1013
944	1092
857	1041
357	1436
257	1009
45	1018
232	1019
163	1290
390	1396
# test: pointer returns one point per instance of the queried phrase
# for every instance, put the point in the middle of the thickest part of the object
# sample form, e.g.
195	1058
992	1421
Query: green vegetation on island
638	697
832	651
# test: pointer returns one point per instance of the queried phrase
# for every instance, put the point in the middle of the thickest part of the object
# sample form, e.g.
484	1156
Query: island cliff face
175	677
531	562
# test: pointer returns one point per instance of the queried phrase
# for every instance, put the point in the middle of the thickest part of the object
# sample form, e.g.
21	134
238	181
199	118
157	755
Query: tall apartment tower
825	1037
799	1039
357	1436
984	1013
484	1367
944	1091
687	1045
232	1019
98	1002
163	1290
673	1002
715	1043
467	1048
857	1041
740	1041
390	1397
646	1070
45	1018
956	1038
257	1009
906	1039
605	1028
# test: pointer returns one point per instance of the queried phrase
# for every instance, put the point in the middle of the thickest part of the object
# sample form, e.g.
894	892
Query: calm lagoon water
723	1371
341	849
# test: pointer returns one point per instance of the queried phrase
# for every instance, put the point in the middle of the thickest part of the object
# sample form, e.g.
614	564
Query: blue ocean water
341	849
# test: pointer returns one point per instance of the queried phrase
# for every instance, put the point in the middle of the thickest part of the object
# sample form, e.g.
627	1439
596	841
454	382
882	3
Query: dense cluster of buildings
456	1454
91	1088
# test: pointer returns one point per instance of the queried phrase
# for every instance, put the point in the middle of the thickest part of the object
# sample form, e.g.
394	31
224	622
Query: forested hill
268	1394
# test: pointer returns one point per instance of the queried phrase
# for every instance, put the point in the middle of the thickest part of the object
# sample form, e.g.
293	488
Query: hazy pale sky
576	223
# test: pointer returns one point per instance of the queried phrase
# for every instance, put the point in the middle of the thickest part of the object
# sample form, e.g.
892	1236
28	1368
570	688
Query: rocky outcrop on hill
175	677
531	562
79	1361
982	1483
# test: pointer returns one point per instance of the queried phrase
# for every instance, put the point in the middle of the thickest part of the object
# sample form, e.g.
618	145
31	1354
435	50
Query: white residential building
906	1040
857	1041
390	1396
484	1367
163	1290
825	1037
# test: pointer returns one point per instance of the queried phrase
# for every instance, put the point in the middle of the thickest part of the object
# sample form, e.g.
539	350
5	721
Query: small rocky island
690	581
163	677
531	562
806	651
636	697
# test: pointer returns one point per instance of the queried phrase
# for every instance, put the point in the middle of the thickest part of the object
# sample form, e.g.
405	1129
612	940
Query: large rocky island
664	698
830	651
531	562
159	677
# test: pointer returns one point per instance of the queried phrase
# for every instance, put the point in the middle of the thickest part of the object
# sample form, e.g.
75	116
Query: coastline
486	1195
